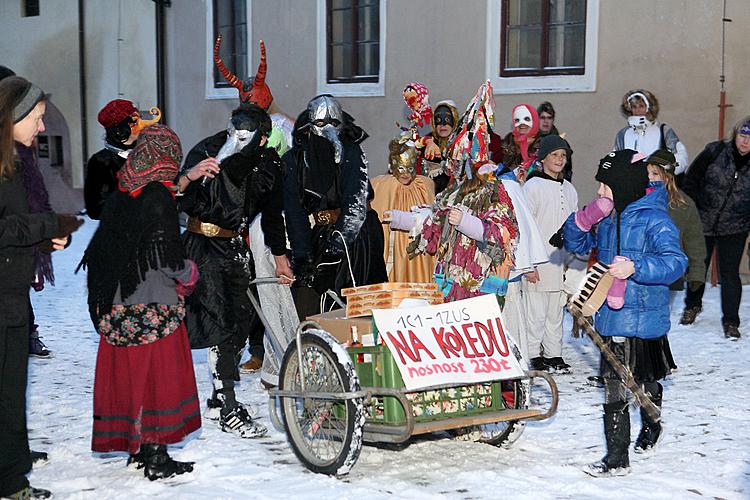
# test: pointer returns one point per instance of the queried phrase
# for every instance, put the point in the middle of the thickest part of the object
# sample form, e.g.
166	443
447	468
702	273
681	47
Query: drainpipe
82	82
161	69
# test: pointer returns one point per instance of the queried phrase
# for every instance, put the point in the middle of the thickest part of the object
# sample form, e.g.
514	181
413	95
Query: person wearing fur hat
402	189
640	243
145	395
22	107
122	124
684	213
551	200
719	183
645	133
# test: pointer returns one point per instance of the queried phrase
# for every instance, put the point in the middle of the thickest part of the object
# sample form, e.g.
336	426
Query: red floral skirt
144	394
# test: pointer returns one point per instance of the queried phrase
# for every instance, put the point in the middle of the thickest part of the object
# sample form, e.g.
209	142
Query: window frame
348	89
228	92
525	81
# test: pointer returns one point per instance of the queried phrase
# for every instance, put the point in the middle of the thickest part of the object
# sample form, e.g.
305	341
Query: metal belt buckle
210	230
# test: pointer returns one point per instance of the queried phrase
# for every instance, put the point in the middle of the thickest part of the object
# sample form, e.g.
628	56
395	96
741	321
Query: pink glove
185	288
471	226
402	220
592	213
616	293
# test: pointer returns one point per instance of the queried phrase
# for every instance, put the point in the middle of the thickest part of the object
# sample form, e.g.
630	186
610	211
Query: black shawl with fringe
134	235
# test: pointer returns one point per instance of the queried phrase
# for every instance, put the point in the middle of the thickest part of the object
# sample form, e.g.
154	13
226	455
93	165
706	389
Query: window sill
352	89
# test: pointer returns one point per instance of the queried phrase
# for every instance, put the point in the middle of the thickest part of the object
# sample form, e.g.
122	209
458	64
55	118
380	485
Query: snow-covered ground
704	452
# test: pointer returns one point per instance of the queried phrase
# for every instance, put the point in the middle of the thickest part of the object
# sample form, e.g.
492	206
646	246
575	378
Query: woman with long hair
682	210
22	106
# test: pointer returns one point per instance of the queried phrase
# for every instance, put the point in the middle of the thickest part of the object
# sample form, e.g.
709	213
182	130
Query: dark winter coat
649	238
249	184
20	231
101	180
348	193
718	181
687	220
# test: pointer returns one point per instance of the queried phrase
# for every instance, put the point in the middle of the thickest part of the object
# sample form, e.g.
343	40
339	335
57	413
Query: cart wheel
325	435
516	396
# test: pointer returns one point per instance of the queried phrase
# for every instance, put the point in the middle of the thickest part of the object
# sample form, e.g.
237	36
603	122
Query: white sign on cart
460	342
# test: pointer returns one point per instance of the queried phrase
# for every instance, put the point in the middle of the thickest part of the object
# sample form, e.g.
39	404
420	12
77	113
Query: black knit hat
627	179
550	143
663	158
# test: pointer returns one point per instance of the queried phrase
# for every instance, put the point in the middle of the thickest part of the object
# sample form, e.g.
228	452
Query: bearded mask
326	119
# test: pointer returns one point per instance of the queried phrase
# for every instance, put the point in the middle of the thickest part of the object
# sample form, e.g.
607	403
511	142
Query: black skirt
649	360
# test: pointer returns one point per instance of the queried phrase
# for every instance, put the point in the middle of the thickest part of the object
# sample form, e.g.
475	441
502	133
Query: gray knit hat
550	143
30	98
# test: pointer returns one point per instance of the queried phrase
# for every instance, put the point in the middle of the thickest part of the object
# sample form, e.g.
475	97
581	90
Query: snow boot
238	421
37	349
689	315
157	464
650	430
731	331
617	434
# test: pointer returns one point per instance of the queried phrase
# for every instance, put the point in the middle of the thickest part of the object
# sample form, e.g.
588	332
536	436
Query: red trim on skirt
144	394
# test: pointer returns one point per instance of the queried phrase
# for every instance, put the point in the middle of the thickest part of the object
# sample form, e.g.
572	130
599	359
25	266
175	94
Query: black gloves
67	225
557	240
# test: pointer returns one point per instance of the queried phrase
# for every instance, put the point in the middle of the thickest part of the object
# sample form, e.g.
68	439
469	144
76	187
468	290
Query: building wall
120	62
669	47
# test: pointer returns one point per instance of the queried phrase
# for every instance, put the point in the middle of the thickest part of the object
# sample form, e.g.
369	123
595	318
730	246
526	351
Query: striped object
593	290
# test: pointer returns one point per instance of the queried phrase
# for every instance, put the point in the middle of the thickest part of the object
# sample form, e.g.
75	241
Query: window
29	8
353	46
231	20
542	45
353	40
543	37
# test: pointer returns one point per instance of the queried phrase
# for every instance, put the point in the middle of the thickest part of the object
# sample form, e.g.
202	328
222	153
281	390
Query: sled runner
333	397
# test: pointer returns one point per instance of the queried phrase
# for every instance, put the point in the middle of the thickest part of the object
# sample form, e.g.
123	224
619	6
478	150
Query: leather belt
195	225
325	217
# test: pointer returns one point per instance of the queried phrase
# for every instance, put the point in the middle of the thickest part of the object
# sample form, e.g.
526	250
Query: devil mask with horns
253	90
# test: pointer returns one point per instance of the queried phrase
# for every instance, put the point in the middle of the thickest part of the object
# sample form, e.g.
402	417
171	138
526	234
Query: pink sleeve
471	226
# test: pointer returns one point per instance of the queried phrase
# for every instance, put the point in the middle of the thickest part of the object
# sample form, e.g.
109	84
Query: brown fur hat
653	103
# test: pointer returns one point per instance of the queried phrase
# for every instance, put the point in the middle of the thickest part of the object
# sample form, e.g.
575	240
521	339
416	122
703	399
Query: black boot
650	430
617	435
159	465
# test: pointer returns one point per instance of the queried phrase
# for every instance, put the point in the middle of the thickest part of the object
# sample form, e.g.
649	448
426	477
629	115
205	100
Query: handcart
331	398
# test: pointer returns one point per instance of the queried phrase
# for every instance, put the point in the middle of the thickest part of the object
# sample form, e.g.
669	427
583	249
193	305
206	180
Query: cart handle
532	374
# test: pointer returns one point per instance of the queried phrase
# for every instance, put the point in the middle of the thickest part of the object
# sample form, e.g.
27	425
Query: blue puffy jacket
650	239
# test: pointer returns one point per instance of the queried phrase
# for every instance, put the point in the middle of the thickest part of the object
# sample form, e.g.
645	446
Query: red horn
228	76
260	76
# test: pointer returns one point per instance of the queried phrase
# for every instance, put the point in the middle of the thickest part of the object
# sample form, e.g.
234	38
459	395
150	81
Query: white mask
639	123
522	116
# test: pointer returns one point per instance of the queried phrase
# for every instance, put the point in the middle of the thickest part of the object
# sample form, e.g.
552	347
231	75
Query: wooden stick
653	411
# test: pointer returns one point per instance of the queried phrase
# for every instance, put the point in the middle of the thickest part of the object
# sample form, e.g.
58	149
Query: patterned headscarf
156	157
